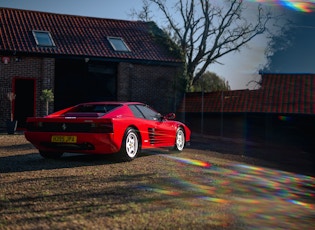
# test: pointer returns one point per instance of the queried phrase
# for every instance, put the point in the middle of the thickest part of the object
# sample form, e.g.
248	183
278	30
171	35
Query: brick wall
39	69
45	81
154	85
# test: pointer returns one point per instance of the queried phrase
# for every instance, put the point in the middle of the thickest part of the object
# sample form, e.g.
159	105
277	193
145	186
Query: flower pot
11	127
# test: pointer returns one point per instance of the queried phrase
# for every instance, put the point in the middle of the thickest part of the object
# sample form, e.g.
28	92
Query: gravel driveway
214	184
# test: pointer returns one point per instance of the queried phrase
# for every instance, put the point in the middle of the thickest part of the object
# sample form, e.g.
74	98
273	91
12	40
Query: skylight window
118	44
43	38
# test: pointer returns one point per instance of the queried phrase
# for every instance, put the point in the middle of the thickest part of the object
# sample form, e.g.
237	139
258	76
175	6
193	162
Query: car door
156	131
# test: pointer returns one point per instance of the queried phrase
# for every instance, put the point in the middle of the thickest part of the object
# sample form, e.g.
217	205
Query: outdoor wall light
18	59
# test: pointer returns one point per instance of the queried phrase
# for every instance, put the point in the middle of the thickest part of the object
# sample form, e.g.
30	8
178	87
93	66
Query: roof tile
78	35
280	93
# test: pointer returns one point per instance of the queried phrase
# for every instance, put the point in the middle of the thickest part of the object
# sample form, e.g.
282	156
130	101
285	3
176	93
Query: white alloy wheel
130	145
180	140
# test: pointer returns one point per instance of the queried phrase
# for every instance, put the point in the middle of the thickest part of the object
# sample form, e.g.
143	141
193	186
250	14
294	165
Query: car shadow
34	162
16	147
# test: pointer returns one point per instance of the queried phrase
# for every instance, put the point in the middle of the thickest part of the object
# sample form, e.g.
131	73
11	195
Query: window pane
97	108
118	44
136	111
43	38
148	113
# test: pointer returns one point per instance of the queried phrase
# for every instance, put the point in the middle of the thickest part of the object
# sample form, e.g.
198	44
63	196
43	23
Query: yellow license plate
64	139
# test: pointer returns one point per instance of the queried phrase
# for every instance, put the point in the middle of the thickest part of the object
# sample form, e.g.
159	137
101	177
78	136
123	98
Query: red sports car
104	128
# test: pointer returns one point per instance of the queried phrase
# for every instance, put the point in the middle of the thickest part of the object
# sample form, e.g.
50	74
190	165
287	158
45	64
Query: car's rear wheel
50	155
130	146
180	140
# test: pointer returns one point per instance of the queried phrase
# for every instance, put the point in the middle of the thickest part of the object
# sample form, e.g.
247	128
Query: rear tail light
102	128
34	126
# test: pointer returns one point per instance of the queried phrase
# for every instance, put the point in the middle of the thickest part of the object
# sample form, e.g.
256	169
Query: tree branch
206	31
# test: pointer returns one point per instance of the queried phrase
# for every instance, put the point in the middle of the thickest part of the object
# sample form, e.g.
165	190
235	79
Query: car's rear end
72	134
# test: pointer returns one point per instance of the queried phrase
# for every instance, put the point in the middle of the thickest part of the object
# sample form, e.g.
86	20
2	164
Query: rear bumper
94	143
69	146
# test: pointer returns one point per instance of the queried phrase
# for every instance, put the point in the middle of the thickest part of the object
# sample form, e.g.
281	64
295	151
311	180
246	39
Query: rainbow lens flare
284	118
297	5
260	197
191	161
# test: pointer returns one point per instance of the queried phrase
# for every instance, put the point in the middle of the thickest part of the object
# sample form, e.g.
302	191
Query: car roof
111	103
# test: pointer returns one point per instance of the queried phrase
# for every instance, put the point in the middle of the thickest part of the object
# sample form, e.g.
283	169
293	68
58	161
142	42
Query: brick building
282	110
83	59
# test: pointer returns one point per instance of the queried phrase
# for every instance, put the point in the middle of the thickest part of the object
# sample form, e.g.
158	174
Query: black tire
180	140
130	146
50	155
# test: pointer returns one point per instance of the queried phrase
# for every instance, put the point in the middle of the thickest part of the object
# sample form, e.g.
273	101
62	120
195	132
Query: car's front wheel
50	155
130	146
179	140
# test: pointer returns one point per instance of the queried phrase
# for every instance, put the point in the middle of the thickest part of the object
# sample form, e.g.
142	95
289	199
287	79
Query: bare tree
207	30
144	14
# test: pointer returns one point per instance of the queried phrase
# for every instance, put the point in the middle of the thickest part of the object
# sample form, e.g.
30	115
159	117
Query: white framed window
118	44
43	38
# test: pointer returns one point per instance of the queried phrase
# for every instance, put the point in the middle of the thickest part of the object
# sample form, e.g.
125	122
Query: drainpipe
222	106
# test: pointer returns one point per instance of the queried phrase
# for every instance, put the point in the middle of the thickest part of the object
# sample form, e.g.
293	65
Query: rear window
91	110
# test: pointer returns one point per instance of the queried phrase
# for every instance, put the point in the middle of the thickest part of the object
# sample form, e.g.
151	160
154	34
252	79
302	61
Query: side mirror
158	117
170	116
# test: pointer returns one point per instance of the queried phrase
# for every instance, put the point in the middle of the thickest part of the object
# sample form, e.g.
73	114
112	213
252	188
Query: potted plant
11	123
47	96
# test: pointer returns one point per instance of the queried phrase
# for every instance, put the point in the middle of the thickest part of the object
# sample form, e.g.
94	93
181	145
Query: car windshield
91	110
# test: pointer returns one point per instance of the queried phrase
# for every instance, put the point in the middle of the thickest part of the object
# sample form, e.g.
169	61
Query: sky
239	69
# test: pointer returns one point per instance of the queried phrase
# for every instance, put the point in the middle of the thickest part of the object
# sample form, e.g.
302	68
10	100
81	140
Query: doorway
24	105
77	81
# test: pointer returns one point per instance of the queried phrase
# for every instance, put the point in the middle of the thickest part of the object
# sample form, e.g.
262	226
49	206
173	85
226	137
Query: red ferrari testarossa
104	128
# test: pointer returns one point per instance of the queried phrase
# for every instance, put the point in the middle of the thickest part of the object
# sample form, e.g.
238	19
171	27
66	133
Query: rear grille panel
64	127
